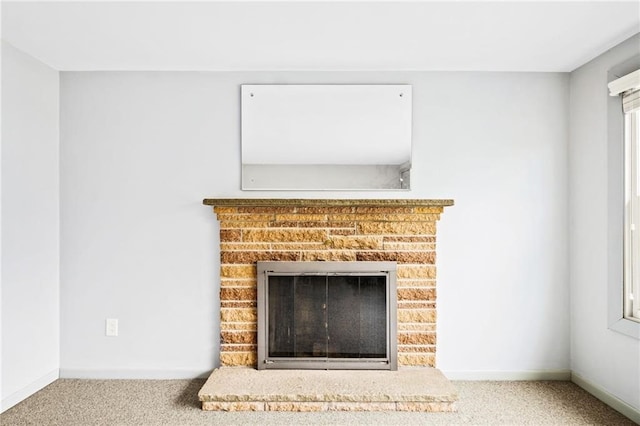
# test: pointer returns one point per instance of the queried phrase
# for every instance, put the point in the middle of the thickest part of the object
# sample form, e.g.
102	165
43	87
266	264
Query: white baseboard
606	397
29	390
71	373
525	375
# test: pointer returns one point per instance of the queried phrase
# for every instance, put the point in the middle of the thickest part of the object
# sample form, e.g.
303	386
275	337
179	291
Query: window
632	216
628	87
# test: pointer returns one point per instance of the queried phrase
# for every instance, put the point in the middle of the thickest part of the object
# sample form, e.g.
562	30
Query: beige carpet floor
175	402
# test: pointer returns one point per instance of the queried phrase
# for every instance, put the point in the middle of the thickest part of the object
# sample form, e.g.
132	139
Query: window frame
631	281
615	207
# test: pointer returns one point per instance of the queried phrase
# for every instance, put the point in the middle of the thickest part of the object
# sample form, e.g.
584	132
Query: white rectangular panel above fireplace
326	136
327	315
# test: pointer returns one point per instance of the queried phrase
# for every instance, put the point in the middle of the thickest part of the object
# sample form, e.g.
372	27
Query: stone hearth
408	389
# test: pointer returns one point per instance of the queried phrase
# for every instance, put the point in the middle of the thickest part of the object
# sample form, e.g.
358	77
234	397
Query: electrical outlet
112	327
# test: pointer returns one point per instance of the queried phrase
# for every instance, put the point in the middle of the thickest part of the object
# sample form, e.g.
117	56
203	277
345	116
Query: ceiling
322	35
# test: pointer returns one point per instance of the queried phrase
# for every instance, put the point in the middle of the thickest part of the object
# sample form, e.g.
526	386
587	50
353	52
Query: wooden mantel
277	202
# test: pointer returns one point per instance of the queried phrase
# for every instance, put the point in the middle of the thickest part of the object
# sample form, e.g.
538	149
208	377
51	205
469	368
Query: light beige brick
397	228
301	217
417	360
240	282
419	282
342	231
416	349
297	246
341	225
416	271
429	304
225	210
230	326
284	235
325	210
384	209
238	293
416	326
232	347
428	257
354	242
238	359
417	315
245	246
416	338
386	217
238	271
250	257
238	315
410	238
266	209
246	217
392	245
329	255
236	224
230	235
427	210
416	294
416	217
238	304
306	224
238	337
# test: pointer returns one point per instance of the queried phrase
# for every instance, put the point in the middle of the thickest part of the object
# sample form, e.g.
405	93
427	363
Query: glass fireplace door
336	318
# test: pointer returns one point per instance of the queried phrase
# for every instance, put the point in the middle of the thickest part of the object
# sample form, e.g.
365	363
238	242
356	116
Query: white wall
496	144
30	225
608	360
139	151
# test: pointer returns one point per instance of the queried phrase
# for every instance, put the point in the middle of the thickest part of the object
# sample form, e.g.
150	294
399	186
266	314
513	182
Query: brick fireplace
402	231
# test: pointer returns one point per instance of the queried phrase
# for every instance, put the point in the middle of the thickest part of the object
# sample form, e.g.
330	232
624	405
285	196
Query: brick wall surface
404	234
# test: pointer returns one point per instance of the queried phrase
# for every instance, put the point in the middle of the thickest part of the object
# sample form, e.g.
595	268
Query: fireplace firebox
327	315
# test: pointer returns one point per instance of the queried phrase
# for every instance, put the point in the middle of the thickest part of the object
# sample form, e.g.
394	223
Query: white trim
627	82
522	375
72	373
622	325
607	397
29	390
